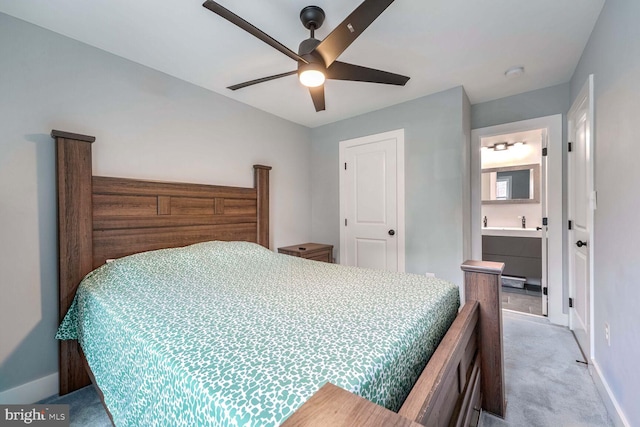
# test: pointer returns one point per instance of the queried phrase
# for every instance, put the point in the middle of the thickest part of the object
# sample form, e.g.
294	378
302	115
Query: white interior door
581	205
372	233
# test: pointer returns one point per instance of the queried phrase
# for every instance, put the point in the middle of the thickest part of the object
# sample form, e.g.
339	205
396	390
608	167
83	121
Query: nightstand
314	251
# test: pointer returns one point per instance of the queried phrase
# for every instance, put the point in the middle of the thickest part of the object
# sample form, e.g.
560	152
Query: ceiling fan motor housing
312	17
307	46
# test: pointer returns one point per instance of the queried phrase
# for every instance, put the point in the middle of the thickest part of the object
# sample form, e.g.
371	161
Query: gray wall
613	56
435	173
528	105
148	125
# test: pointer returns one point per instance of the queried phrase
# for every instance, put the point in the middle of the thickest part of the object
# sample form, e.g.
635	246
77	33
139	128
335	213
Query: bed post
261	184
75	243
482	284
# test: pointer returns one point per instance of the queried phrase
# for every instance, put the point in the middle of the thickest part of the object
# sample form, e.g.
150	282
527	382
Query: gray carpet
545	385
85	408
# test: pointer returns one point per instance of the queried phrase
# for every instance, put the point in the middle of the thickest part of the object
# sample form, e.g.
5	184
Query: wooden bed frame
101	218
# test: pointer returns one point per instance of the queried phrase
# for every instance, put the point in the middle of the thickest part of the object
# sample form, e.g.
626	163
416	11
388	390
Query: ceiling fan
317	59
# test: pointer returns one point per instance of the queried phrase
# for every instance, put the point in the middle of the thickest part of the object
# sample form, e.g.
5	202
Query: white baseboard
610	402
31	392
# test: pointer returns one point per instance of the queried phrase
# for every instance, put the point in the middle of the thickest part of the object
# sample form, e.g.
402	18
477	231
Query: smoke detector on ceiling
514	72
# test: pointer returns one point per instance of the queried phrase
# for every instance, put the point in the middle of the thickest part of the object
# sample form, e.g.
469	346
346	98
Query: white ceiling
440	44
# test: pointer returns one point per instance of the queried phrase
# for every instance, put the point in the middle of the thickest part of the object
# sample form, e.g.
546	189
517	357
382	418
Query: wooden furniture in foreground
101	218
314	251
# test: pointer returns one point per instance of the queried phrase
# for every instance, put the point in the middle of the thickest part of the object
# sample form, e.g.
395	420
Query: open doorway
513	207
522	200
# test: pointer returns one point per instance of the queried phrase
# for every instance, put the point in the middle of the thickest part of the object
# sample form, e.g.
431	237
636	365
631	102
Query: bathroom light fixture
501	146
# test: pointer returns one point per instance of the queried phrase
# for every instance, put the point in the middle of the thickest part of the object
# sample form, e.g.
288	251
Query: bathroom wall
509	215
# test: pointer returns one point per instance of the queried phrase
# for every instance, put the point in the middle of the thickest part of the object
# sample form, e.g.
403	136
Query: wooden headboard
101	218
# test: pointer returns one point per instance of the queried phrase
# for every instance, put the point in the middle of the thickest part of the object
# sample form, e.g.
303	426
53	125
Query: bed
102	218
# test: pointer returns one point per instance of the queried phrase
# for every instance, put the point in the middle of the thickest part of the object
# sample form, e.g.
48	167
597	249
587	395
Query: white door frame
555	252
398	135
586	96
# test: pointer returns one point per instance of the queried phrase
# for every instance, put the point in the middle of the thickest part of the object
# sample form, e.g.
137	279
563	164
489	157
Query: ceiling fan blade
344	34
235	19
317	94
343	71
261	80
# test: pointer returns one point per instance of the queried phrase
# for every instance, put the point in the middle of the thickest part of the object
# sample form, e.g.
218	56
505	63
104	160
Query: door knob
580	243
392	232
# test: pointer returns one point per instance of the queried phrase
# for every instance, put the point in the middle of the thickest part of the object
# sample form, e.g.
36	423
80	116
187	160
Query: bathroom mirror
511	184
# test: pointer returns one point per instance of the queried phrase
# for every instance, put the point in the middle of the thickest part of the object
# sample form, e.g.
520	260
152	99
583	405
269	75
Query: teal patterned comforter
232	334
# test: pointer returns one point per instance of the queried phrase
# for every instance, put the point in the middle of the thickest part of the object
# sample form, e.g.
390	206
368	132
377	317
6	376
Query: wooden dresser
314	251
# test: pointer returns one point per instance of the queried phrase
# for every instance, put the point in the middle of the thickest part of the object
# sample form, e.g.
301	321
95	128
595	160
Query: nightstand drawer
312	251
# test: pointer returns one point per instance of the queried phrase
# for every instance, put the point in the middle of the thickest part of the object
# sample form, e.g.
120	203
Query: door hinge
570	302
570	225
544	152
345	165
345	222
545	221
570	146
544	291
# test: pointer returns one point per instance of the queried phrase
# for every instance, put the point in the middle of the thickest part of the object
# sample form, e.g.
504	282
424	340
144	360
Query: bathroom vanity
519	248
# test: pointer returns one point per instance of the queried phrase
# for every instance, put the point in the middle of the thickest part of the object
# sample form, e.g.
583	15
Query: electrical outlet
607	334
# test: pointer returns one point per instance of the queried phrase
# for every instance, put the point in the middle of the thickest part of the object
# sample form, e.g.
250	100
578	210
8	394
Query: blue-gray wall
436	144
148	125
529	105
613	57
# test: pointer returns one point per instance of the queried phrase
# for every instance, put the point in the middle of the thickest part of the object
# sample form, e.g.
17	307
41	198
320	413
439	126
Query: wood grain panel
192	206
160	221
118	205
336	407
487	289
124	186
118	243
73	178
261	183
219	206
164	205
240	207
470	409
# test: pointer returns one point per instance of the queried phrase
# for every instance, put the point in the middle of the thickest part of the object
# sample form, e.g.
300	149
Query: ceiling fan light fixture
311	75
